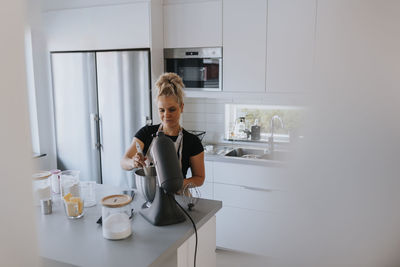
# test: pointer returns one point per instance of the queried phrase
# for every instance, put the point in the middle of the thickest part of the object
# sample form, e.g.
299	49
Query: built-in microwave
200	68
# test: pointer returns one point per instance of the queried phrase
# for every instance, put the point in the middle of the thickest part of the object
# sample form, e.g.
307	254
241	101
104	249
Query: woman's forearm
196	180
127	163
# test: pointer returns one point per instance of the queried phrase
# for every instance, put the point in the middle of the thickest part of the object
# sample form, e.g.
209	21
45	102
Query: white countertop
80	242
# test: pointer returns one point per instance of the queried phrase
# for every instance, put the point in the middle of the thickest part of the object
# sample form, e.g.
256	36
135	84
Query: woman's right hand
139	160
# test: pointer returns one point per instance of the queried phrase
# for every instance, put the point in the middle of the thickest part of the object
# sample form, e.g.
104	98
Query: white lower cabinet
254	200
266	177
249	197
206	190
247	230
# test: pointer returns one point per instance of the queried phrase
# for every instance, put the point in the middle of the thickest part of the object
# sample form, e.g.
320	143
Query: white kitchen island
65	242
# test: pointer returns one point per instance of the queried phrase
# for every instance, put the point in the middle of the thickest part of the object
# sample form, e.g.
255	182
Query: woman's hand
132	158
139	160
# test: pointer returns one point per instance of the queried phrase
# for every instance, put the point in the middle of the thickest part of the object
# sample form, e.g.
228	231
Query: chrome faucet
271	138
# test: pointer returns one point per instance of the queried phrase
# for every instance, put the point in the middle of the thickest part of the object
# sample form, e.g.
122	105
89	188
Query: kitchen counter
65	242
247	161
219	151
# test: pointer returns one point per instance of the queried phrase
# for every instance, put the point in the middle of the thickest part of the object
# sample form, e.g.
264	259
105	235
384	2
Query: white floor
227	258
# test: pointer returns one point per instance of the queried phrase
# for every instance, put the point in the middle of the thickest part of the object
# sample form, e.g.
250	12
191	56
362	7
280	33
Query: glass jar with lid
116	214
41	186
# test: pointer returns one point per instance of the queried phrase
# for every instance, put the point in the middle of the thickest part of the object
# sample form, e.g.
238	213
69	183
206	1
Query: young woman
189	148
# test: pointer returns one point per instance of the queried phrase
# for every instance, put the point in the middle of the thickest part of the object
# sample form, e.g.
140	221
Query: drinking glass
88	190
71	194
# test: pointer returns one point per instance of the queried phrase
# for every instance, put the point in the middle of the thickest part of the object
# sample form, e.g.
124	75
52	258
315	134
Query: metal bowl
146	185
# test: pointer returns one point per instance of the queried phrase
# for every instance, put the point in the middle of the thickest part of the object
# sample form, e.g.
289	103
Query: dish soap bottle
240	128
255	131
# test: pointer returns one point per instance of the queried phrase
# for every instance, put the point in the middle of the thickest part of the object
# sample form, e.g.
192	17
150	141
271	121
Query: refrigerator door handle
148	120
100	122
94	120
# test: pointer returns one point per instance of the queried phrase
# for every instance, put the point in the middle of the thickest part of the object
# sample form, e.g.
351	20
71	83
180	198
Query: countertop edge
258	162
172	249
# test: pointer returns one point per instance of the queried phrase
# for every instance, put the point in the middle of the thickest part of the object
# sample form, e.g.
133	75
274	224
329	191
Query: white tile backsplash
200	126
194	117
205	114
215	108
215	117
195	107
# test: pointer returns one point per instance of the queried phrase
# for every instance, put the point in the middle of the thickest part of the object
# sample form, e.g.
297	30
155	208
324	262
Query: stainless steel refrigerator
100	100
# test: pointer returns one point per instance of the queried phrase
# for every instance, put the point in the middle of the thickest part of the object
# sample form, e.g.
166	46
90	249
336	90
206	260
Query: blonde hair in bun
170	84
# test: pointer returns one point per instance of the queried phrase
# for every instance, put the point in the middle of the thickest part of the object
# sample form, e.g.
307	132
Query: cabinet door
193	24
99	27
290	35
244	38
207	189
250	197
248	231
208	165
262	177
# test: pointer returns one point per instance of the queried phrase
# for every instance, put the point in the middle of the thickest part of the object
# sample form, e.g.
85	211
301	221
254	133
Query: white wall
18	232
205	114
83	25
346	179
48	5
157	50
42	87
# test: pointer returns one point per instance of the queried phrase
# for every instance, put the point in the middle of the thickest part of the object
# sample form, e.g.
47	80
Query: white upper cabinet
290	45
98	27
193	24
244	45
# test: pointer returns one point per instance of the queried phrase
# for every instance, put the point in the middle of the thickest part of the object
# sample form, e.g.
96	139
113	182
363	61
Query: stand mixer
164	210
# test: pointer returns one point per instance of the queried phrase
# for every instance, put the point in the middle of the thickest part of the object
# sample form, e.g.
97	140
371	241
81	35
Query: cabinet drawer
248	231
250	198
250	175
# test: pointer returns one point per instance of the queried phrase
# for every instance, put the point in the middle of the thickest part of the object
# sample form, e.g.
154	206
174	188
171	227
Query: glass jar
41	186
71	194
116	214
55	181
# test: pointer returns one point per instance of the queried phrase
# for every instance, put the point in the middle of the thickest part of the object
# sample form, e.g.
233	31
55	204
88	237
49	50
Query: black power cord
195	230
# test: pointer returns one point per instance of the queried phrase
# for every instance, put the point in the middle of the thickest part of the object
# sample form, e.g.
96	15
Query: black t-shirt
191	144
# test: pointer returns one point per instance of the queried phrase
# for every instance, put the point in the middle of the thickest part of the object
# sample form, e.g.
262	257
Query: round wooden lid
41	175
116	201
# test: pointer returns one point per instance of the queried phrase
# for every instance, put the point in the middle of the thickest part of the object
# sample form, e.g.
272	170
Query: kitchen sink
254	153
246	153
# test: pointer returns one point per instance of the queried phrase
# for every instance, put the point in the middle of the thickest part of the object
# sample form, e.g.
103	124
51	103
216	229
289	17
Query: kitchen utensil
55	181
115	215
100	220
191	195
164	209
88	190
146	184
145	168
71	194
41	186
46	206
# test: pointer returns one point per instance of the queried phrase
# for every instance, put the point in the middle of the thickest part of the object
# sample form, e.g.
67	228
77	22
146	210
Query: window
291	117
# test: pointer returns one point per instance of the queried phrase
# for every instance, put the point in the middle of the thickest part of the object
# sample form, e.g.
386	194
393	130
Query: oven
199	68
